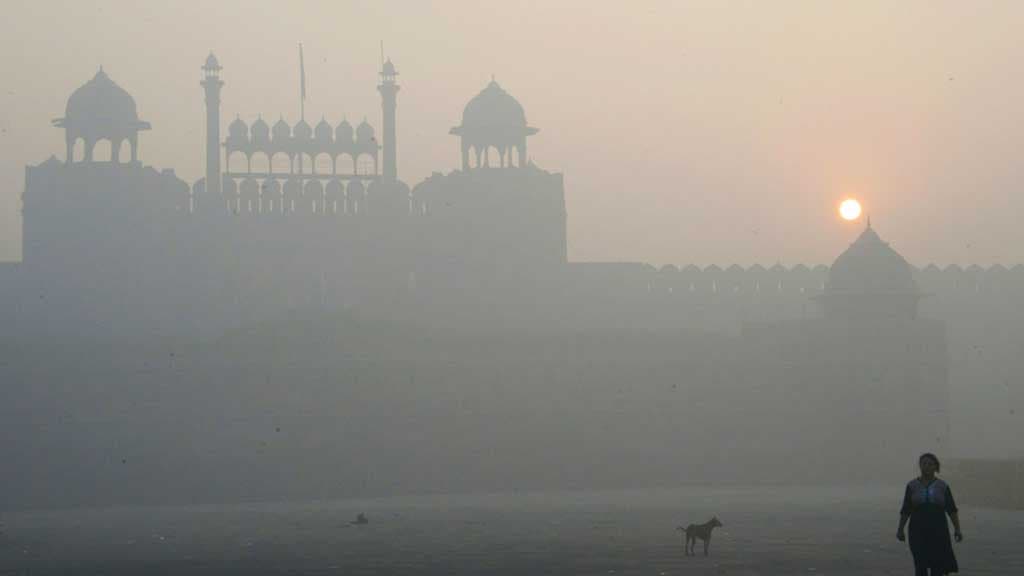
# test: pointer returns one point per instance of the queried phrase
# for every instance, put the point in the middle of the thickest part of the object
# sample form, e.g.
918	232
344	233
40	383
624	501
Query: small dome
870	265
302	131
389	69
323	131
282	131
101	102
493	106
364	132
260	131
238	130
343	133
211	63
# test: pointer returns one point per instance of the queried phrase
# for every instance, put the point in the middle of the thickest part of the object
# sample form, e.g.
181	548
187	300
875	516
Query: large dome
493	106
871	266
493	120
101	101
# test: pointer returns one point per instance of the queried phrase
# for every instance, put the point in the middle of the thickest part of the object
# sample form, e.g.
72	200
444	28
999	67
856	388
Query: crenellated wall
304	240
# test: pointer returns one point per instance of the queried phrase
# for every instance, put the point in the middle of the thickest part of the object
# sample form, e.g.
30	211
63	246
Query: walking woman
926	502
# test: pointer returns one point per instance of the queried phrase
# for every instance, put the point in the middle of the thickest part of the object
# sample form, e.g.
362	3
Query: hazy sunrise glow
849	210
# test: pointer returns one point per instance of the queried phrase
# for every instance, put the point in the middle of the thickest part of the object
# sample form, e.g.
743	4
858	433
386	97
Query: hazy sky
710	132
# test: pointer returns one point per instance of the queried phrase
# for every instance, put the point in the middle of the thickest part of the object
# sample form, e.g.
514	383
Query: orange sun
849	210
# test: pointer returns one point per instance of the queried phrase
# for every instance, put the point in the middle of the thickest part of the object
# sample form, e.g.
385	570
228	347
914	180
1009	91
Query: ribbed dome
323	131
211	63
343	133
238	130
101	101
260	131
493	106
303	131
364	132
282	131
870	265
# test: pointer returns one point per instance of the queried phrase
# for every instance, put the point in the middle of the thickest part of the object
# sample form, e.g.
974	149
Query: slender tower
389	101
212	84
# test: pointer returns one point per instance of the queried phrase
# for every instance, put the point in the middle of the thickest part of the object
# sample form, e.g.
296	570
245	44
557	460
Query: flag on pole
302	81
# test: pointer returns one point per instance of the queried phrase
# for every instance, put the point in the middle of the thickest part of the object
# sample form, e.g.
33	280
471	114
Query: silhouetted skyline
665	118
508	288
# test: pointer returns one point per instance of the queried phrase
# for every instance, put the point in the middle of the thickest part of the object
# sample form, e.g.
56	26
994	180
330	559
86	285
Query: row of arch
261	135
271	196
117	151
317	163
493	156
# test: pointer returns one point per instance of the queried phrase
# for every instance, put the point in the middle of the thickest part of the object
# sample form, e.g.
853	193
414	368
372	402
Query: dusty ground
780	531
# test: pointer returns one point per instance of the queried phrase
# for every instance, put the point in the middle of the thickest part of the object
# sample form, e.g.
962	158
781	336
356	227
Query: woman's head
929	463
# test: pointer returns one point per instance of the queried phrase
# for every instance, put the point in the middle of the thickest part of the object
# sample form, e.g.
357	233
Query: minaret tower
212	84
389	101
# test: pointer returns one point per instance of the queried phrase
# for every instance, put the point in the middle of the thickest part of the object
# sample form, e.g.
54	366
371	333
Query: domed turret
493	106
494	119
212	85
323	132
101	110
364	134
870	279
870	265
260	133
238	133
388	89
282	132
212	64
101	100
302	131
343	134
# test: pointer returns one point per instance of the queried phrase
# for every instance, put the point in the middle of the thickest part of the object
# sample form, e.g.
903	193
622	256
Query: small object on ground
361	519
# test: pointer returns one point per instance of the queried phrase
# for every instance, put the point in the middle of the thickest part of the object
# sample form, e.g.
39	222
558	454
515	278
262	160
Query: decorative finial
869	221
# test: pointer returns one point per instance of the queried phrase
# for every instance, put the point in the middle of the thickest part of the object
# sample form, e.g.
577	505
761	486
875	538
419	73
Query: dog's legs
706	543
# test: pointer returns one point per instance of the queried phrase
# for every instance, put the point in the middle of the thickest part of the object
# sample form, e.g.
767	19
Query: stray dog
695	531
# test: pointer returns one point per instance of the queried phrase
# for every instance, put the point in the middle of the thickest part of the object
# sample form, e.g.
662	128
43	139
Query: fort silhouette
326	211
294	217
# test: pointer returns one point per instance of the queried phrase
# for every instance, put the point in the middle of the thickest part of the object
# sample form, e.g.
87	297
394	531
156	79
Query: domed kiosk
101	110
493	119
870	280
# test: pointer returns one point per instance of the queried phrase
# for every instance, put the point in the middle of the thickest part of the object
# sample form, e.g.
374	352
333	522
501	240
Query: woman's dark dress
927	506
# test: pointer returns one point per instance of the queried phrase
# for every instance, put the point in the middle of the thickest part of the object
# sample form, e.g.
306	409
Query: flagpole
302	85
